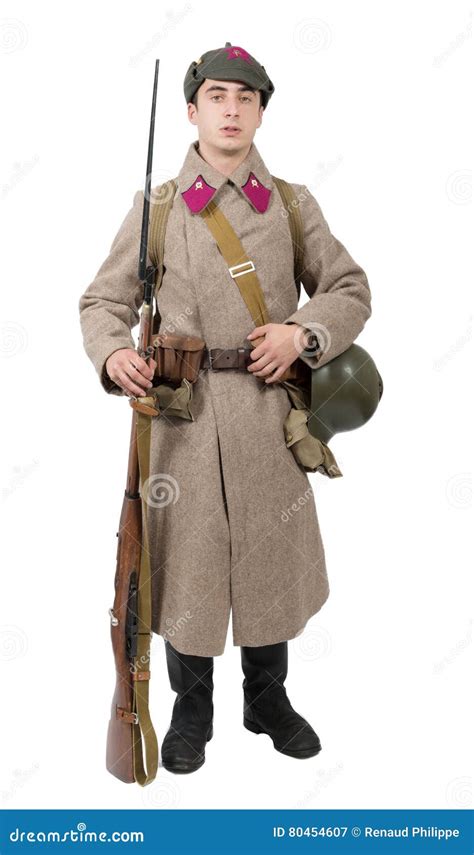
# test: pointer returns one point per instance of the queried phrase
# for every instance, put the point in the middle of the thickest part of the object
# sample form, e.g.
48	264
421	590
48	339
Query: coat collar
198	181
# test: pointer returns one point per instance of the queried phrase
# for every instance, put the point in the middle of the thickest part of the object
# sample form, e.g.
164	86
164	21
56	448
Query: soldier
227	538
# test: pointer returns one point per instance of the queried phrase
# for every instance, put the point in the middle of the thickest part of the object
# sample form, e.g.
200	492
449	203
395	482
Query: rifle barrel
149	164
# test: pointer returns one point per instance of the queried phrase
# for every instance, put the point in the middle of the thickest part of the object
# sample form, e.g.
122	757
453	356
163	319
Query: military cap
228	63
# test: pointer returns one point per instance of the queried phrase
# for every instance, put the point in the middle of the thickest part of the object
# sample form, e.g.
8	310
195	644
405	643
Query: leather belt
216	358
220	357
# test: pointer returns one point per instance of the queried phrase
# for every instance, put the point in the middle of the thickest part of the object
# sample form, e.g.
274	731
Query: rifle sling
143	730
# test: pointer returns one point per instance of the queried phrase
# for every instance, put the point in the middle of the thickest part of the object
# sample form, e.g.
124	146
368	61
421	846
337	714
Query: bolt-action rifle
131	738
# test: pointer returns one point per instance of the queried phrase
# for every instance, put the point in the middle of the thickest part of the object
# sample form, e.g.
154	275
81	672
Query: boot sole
301	754
184	769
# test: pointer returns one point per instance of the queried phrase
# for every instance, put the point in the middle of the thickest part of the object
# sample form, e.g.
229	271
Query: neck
224	161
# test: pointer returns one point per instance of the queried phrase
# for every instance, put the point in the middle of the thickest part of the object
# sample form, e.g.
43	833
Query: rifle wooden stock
119	758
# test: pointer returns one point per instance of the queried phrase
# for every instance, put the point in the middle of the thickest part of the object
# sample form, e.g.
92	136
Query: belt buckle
238	266
241	356
213	354
216	353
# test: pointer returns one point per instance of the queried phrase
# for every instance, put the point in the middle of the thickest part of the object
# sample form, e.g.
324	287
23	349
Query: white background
371	111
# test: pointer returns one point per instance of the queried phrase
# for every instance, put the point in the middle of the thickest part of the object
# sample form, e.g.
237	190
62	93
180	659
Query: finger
268	369
143	367
130	386
259	331
137	375
276	376
260	362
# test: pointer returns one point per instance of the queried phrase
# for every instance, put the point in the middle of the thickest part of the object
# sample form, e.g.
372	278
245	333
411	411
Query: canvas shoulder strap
290	201
240	267
160	207
242	270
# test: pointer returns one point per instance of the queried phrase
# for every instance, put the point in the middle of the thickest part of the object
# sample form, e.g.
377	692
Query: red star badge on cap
235	52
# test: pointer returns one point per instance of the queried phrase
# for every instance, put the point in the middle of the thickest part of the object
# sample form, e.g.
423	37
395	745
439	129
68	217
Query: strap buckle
127	716
238	266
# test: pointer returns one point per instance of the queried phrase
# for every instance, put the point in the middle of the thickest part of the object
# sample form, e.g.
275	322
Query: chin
231	141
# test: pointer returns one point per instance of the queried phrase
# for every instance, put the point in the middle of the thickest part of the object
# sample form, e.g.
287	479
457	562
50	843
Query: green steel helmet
345	393
228	63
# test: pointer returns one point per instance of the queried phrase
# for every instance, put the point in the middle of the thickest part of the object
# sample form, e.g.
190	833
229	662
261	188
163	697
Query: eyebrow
225	89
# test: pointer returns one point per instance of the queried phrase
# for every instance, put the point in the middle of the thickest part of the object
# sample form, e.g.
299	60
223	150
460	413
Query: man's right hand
129	371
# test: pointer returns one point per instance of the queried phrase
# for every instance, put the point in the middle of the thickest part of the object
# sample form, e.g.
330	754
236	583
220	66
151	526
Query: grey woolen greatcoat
238	531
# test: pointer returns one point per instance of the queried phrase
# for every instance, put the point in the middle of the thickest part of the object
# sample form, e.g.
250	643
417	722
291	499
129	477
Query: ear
192	114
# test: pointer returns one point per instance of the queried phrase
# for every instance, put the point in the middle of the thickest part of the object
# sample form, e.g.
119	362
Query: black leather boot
267	708
191	723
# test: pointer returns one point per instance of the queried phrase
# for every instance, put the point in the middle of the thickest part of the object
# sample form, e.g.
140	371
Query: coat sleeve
110	306
340	299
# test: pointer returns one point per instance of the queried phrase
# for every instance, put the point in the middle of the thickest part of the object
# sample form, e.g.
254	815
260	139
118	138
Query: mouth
230	129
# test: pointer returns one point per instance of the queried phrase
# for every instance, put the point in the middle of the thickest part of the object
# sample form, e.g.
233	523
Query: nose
232	107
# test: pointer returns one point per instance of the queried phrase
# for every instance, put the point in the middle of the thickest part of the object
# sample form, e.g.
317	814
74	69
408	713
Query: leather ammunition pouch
178	357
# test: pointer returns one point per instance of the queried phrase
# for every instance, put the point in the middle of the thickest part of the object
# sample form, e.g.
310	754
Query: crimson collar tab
200	193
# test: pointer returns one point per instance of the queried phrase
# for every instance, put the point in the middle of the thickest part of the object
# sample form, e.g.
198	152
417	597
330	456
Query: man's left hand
283	344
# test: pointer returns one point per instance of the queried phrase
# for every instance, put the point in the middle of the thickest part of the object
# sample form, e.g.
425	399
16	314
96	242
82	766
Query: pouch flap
179	342
294	426
175	401
311	453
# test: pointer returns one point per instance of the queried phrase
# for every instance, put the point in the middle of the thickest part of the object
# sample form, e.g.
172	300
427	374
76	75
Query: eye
245	97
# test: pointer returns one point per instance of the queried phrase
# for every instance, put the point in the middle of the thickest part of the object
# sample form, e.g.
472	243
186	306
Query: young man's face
223	104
